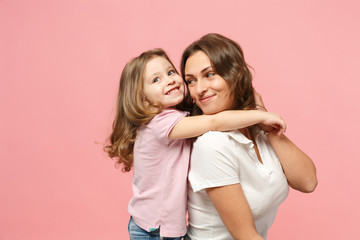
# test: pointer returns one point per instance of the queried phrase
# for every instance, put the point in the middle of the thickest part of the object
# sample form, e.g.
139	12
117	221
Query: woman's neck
246	132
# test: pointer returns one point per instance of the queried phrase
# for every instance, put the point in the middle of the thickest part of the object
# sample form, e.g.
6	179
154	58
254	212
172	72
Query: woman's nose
201	87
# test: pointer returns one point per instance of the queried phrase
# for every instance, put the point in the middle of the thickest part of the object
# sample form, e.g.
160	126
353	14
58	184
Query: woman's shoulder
216	139
213	139
223	136
213	135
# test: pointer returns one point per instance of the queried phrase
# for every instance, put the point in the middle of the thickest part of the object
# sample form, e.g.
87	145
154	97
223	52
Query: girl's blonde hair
132	109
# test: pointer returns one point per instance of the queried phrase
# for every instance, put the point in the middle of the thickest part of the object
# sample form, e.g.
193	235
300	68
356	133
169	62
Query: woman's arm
234	210
194	126
299	169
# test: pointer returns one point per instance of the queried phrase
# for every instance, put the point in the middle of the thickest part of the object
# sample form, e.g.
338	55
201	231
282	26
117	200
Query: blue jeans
137	233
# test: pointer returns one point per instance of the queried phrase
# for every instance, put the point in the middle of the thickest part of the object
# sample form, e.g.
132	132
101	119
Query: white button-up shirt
226	158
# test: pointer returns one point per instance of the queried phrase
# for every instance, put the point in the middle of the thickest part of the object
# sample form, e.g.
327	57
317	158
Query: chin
210	112
213	110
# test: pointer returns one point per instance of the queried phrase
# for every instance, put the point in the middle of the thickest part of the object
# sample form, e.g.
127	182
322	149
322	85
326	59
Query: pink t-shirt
160	176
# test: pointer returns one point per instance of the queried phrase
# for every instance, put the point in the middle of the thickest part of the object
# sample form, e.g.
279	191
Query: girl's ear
144	101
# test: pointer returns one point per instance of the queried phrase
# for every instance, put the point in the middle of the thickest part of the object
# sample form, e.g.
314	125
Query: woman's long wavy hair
132	109
227	59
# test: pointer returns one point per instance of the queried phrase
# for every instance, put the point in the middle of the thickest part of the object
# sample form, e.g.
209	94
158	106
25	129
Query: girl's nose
170	81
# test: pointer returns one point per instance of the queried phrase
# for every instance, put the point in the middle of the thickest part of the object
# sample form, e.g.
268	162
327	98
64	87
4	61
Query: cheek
229	101
221	85
227	98
192	92
186	90
225	90
152	94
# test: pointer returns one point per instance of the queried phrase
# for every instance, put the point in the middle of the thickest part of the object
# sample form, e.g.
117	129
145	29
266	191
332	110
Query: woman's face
208	89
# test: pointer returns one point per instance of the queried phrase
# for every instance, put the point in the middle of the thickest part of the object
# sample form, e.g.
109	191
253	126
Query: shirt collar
239	137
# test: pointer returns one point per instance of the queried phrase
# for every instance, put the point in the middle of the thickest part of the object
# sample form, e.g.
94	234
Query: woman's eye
210	74
156	79
190	81
171	72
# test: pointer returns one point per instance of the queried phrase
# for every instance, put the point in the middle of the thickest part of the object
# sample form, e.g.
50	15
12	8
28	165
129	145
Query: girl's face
208	89
162	83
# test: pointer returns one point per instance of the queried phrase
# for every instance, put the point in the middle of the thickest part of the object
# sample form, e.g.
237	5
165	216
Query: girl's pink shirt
160	176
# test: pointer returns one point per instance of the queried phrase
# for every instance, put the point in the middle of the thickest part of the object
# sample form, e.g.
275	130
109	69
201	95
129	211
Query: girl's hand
273	122
260	105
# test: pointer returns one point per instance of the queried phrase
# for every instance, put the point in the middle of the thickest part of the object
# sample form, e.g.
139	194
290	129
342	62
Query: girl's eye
171	72
156	79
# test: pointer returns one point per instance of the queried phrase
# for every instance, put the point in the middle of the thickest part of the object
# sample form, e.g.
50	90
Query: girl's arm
194	126
234	210
299	169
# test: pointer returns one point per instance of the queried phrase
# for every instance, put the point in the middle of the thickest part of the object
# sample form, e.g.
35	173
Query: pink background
60	63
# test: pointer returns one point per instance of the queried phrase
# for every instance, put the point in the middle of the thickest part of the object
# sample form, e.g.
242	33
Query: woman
239	178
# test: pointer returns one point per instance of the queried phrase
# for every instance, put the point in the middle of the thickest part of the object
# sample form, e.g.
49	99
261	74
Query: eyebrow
205	69
159	73
154	74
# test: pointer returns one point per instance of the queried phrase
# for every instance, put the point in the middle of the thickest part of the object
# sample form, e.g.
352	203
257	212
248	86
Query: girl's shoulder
170	112
161	125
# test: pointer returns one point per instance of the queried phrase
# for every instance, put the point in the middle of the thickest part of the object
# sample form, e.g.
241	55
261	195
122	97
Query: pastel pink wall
60	62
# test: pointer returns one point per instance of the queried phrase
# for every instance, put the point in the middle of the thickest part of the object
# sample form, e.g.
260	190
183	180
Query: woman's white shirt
226	158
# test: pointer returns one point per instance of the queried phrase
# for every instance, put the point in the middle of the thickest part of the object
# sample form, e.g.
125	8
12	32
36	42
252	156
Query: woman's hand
261	107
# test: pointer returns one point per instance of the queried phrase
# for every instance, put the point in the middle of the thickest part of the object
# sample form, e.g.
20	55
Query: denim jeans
137	233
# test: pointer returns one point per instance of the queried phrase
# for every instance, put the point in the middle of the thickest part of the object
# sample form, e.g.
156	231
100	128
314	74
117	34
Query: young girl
150	133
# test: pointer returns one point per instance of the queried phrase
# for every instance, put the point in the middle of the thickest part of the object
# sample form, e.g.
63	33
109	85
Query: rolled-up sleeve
212	162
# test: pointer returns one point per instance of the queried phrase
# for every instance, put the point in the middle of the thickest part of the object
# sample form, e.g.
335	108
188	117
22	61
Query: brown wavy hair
132	110
227	59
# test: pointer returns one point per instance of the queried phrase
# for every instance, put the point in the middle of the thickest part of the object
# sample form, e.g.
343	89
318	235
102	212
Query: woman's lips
206	99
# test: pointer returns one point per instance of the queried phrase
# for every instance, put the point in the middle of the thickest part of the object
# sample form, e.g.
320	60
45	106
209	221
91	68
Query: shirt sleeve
213	163
163	123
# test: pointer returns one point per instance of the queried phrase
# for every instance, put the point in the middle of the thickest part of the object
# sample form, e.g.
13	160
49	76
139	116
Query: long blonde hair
131	112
